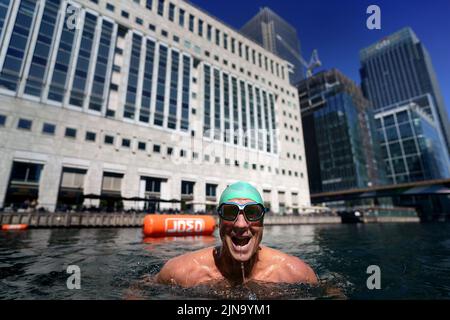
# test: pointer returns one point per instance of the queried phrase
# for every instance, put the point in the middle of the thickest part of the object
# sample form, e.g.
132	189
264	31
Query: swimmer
240	258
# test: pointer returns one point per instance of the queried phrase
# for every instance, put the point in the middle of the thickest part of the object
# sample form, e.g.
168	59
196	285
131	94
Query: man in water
240	258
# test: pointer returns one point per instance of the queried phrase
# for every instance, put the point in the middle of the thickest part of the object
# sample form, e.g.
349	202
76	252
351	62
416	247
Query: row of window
79	68
238	112
205	30
108	139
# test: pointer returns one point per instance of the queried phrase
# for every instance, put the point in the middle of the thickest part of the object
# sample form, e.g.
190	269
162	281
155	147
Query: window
225	41
72	178
169	151
200	28
125	14
182	153
139	21
171	12
148	4
110	7
161	7
2	120
126	143
176	38
112	182
26	172
217	37
209	32
48	128
25	124
152	27
191	23
71	133
211	190
181	18
109	139
142	146
90	136
187	188
156	148
164	33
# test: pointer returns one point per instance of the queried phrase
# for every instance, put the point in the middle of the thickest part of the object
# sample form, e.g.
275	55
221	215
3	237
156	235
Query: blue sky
337	28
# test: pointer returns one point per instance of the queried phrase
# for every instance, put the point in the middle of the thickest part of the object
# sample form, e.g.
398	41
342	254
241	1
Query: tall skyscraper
151	99
278	36
398	68
339	133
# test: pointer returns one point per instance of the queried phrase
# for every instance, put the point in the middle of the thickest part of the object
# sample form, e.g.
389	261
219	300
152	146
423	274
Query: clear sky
337	28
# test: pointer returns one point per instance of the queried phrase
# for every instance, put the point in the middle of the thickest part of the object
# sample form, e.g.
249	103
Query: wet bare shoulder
188	269
287	268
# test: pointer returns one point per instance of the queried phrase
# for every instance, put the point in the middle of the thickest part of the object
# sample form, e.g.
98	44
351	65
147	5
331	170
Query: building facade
412	145
340	137
398	68
141	99
278	36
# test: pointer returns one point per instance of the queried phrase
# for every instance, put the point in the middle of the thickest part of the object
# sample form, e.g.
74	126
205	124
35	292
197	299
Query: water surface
414	260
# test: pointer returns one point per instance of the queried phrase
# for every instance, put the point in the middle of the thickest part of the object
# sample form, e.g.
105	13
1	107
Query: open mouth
240	241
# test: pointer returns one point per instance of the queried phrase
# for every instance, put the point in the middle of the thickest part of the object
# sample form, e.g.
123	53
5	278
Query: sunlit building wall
141	99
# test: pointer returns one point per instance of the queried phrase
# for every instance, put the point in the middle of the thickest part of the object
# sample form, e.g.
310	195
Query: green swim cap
240	190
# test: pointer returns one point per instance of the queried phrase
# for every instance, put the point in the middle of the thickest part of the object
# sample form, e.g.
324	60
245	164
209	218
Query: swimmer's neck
231	269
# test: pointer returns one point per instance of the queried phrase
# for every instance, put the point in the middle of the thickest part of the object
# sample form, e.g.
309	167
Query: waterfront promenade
100	220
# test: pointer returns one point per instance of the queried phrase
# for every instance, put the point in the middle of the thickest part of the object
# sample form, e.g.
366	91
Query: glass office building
340	144
398	68
278	36
412	146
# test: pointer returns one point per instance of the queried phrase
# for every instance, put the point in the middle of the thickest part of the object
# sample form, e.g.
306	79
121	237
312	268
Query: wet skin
239	259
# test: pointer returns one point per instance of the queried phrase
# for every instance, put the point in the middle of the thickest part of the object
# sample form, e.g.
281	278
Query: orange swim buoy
21	226
167	225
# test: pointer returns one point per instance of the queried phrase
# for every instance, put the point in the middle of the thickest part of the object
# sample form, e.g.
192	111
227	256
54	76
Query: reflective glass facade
276	35
339	141
411	144
399	68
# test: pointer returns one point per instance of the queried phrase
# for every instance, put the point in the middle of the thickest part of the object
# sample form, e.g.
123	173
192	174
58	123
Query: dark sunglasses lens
229	211
253	212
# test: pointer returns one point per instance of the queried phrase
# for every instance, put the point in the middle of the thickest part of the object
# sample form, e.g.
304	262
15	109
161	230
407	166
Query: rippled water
118	264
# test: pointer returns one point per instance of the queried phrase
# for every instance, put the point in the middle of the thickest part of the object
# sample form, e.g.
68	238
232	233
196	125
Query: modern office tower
339	133
399	68
148	99
412	145
278	36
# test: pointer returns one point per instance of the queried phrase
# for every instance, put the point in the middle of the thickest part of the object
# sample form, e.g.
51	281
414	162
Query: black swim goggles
253	211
